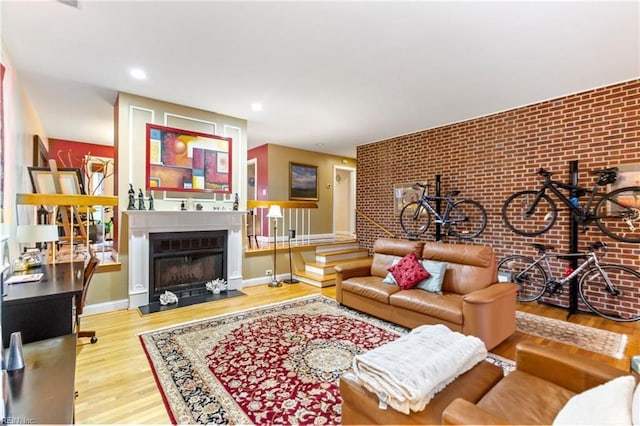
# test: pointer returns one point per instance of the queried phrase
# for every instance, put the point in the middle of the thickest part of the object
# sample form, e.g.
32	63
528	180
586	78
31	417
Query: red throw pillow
408	272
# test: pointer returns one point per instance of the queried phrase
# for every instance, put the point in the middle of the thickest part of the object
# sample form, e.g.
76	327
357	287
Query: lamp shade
275	212
36	233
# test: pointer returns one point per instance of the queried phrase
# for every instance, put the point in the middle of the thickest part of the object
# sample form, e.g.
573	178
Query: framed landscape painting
303	182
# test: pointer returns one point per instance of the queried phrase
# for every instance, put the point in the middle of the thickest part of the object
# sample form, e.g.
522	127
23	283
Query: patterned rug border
613	344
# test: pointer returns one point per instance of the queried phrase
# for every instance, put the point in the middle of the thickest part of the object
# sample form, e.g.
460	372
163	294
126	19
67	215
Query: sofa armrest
490	313
463	412
356	268
569	370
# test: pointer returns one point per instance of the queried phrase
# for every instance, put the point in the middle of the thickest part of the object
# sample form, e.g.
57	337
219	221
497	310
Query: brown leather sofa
544	380
471	302
360	407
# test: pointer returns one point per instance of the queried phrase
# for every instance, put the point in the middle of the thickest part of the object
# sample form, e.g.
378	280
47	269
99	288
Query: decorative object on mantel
183	206
167	298
132	203
236	202
151	208
141	200
199	207
217	285
275	213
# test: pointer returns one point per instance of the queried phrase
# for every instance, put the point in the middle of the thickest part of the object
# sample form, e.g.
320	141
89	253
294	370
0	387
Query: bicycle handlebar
419	185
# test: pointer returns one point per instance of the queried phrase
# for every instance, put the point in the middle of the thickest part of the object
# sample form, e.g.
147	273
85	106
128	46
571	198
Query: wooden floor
116	385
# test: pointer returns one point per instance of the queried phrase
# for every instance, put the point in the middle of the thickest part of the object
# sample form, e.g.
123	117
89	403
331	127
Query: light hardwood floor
115	383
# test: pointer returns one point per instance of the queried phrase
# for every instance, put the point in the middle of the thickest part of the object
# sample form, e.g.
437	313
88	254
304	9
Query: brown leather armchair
544	380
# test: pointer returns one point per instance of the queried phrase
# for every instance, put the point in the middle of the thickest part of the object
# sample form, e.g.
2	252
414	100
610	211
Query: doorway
344	201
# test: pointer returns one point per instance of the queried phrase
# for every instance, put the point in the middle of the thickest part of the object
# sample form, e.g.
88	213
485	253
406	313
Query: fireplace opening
182	262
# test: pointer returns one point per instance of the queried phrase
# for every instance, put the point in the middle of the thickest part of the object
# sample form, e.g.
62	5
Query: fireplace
182	262
139	225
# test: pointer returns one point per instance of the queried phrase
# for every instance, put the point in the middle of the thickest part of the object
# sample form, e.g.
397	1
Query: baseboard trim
100	308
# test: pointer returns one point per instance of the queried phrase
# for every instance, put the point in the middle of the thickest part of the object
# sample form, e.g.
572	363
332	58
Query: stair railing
376	224
295	215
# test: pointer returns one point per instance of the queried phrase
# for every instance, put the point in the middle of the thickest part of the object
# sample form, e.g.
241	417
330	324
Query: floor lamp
291	280
275	213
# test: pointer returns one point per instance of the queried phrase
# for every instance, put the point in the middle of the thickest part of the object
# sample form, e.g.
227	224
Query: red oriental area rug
276	364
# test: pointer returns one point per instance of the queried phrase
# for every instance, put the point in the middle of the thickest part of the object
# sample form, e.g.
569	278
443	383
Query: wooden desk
42	309
43	393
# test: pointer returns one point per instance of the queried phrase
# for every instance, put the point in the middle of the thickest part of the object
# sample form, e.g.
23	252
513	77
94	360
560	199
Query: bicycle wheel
529	276
618	304
467	219
618	214
415	219
524	218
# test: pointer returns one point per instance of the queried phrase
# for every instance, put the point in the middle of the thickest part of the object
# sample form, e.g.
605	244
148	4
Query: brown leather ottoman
359	406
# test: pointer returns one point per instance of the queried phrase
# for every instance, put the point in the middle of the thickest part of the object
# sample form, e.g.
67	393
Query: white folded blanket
408	372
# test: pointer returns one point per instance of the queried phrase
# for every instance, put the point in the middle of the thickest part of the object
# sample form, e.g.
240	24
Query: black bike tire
529	261
601	207
591	305
544	229
482	225
410	217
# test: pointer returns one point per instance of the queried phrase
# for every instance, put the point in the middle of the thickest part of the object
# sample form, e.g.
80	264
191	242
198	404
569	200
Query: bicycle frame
425	201
592	259
553	185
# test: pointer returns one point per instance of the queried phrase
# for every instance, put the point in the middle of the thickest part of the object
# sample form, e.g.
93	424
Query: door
344	201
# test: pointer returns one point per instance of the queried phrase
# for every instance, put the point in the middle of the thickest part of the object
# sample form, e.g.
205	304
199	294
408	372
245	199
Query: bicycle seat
452	193
541	247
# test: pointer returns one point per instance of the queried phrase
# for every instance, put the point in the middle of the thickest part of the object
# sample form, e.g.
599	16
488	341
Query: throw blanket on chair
408	372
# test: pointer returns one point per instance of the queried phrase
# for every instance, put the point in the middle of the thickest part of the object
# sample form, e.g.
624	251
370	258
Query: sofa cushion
408	272
471	267
370	287
536	401
436	271
447	307
608	403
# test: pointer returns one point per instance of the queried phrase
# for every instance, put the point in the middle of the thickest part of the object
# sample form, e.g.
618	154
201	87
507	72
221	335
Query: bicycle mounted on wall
617	214
602	287
464	219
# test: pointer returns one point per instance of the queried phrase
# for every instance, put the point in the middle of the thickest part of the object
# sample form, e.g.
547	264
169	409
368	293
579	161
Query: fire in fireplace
182	262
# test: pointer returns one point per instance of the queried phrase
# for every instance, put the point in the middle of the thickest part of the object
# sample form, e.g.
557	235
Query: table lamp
275	213
35	234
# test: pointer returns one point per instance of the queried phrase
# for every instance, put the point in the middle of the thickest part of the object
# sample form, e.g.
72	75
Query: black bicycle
463	219
617	213
611	291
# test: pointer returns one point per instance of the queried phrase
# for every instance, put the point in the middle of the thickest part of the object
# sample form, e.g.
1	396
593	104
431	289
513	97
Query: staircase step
346	245
315	279
340	255
320	268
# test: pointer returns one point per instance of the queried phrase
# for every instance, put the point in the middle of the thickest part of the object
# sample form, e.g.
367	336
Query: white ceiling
331	75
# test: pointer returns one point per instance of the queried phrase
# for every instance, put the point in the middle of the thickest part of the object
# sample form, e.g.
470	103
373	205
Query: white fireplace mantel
138	224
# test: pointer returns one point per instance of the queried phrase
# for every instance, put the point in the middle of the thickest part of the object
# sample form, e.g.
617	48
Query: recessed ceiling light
138	74
256	106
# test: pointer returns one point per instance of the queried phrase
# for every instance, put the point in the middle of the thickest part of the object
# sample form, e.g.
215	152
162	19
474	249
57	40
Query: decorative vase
15	359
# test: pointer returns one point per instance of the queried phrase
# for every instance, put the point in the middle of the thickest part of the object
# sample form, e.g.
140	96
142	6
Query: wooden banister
265	204
376	224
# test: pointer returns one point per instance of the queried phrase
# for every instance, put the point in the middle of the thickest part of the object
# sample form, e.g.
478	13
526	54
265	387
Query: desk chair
81	301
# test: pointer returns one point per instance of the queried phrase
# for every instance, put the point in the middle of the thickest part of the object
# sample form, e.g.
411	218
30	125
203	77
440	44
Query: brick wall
491	157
